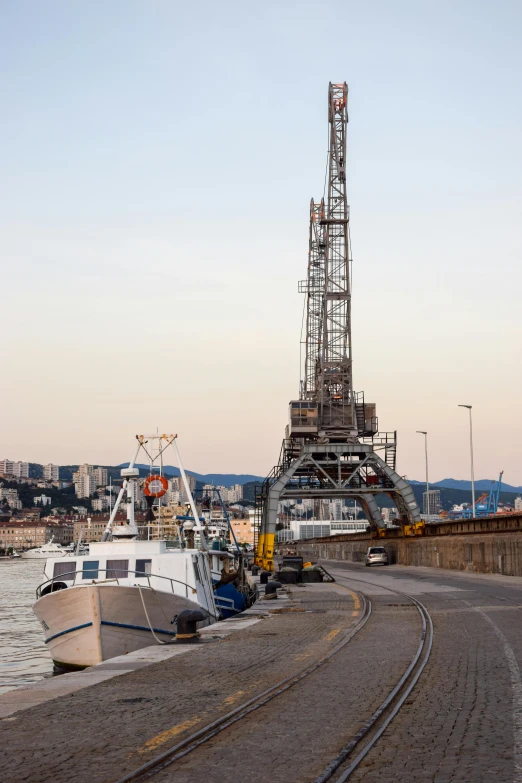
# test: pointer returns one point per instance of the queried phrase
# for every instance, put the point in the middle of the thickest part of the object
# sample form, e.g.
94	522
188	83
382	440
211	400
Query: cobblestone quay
461	722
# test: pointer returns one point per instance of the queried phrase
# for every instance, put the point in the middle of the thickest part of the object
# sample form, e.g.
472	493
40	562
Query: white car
376	555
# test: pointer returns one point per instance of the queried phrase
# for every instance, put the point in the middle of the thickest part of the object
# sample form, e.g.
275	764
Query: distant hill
218	479
448	496
482	485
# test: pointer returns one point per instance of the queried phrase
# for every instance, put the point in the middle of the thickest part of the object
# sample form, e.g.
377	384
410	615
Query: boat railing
226	603
125	573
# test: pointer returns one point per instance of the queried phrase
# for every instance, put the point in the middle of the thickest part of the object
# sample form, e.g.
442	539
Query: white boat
43	552
125	594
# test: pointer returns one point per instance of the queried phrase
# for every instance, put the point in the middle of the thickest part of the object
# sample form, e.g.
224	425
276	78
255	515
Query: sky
158	162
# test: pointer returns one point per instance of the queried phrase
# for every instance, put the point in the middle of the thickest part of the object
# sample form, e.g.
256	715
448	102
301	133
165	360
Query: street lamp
471	452
423	432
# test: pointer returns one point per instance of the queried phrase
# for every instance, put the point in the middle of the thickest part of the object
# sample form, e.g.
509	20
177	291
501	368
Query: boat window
117	569
65	571
143	567
90	569
196	570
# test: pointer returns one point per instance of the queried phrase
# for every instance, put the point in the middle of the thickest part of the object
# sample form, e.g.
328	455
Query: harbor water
23	655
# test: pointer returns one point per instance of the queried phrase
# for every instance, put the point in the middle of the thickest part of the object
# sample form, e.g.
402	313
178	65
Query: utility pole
422	432
471	454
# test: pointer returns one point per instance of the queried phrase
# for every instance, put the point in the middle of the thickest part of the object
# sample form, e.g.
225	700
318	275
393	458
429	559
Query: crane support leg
267	533
371	509
403	490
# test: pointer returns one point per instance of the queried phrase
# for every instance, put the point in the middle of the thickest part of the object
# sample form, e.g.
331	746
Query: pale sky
158	162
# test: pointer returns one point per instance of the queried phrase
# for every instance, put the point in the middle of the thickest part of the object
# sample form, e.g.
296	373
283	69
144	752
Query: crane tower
332	446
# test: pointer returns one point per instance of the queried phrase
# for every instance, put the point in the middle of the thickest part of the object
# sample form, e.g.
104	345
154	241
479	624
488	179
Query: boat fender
187	630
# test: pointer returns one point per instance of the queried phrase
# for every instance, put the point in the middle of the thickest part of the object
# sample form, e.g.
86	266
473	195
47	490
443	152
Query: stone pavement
97	733
463	721
458	724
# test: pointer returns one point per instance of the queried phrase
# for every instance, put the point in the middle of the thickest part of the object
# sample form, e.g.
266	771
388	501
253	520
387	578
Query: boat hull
88	624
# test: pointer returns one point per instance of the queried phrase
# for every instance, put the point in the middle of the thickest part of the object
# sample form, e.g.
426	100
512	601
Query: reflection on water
24	658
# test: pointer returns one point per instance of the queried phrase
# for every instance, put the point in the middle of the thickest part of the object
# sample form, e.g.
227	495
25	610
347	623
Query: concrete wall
496	549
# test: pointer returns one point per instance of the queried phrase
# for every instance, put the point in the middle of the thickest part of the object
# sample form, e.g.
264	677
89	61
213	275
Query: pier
415	667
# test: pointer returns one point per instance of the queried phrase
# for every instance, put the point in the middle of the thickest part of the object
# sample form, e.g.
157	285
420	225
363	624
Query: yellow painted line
165	736
356	599
332	634
302	657
179	728
235	696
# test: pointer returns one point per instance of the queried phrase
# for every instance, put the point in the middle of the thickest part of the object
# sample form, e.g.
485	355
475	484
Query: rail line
383	716
369	733
194	741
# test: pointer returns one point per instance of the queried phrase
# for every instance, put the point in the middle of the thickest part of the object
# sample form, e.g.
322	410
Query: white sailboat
124	594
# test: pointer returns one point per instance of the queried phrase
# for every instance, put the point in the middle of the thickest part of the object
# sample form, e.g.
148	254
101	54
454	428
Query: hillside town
37	509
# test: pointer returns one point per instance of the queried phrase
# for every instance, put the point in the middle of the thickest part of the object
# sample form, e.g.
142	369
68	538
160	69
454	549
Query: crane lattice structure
332	446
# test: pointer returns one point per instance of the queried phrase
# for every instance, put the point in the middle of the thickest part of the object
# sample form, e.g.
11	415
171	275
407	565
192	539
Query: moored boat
43	552
124	594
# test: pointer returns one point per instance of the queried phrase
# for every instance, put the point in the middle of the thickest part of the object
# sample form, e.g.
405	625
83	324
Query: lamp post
423	432
471	453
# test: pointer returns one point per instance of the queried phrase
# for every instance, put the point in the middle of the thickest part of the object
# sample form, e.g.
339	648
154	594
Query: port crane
332	446
487	504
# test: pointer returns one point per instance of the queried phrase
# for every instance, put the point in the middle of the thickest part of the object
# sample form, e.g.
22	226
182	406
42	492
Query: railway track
194	741
370	733
351	755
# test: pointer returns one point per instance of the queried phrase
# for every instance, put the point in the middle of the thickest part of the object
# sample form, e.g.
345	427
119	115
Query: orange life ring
155	486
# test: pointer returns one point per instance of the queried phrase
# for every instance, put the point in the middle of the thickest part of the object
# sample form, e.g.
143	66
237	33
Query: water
24	658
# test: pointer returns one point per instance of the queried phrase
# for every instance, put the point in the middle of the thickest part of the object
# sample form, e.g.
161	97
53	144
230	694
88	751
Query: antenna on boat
128	474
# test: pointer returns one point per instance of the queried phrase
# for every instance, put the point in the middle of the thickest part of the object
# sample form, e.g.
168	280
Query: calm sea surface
23	655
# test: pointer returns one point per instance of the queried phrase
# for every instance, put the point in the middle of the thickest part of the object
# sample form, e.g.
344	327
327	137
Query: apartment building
51	472
10	496
228	495
243	528
100	476
93	528
101	503
177	493
42	500
15	469
29	533
87	478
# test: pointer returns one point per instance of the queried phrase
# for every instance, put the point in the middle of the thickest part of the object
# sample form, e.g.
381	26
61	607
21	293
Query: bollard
187	628
255	570
263	577
271	590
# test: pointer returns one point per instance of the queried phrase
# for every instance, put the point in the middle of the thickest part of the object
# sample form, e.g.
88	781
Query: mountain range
229	479
218	479
482	485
